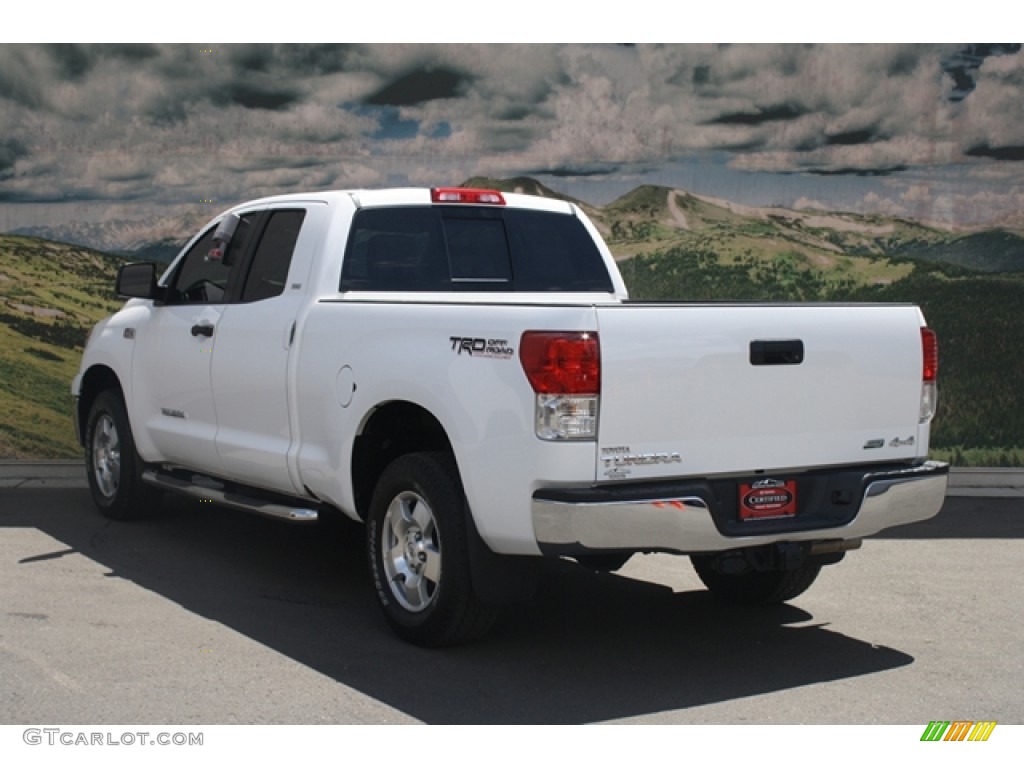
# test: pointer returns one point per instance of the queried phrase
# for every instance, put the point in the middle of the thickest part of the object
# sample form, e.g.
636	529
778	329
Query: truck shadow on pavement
590	647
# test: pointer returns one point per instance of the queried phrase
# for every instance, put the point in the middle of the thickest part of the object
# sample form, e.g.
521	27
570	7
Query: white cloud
175	123
993	115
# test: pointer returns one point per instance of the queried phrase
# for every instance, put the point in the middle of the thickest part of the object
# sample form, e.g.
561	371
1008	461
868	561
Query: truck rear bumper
681	517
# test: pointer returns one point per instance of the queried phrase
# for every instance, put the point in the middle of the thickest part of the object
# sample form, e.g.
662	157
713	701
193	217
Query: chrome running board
236	497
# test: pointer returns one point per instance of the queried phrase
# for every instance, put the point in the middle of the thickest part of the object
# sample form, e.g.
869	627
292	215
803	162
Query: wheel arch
390	430
99	378
400	427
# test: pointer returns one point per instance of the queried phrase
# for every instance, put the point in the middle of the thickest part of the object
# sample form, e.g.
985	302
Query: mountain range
158	239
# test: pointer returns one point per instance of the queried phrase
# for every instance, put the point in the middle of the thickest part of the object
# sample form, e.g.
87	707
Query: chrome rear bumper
685	524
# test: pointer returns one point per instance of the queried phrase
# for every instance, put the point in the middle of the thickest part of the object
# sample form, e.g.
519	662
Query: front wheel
113	466
755	587
417	545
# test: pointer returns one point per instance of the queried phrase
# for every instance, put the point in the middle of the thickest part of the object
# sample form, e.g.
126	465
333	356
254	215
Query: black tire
112	464
755	587
418	550
604	562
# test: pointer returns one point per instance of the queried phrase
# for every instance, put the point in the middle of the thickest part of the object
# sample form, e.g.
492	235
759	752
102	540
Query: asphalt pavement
199	614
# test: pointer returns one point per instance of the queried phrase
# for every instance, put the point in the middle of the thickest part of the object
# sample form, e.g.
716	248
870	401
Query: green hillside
50	296
774	251
994	251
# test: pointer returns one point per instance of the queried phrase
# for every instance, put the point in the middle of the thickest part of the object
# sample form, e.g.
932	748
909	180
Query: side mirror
137	281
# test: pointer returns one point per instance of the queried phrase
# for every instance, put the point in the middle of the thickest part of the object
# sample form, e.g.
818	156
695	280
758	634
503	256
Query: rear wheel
113	466
418	549
755	587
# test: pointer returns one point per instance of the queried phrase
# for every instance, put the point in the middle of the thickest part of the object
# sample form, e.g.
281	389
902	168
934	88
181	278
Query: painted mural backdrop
832	172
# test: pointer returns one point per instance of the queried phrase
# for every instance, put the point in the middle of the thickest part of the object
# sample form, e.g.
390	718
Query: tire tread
134	498
459	615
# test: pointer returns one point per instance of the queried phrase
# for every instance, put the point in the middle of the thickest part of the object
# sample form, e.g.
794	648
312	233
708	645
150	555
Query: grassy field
50	296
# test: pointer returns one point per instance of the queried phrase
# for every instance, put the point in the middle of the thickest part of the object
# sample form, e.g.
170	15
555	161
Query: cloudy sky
91	132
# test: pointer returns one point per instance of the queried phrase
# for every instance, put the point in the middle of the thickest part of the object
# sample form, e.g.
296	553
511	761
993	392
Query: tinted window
269	271
396	250
471	248
202	277
552	252
478	250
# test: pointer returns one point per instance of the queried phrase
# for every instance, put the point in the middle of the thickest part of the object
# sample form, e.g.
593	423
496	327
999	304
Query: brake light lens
929	374
461	195
930	348
564	370
559	363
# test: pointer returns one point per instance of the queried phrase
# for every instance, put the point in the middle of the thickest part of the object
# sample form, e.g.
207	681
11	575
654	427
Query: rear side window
269	270
443	248
555	253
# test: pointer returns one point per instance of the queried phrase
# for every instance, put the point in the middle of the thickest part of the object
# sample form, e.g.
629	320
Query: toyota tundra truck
462	371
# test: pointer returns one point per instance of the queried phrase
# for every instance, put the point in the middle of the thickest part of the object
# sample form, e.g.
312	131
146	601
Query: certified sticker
767	498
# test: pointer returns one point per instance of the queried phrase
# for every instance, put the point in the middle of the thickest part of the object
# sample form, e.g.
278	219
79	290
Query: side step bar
223	493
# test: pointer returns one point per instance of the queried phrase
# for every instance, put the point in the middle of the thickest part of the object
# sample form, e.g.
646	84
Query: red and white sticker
767	498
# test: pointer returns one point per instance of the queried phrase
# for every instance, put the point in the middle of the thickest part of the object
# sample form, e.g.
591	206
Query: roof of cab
372	198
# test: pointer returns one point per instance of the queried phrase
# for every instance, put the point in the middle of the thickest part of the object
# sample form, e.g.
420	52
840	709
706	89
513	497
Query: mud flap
500	578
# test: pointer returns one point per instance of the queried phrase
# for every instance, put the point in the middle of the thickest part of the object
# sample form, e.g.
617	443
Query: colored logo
958	730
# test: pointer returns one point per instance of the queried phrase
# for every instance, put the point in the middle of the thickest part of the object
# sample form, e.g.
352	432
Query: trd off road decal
480	347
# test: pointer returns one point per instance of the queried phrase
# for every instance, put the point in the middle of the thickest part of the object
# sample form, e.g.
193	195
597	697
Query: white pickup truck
462	370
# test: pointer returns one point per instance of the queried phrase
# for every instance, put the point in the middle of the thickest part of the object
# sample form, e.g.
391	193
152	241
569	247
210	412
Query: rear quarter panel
410	351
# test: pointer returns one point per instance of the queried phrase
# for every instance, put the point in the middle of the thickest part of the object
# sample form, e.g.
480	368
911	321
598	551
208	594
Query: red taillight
930	349
460	195
561	363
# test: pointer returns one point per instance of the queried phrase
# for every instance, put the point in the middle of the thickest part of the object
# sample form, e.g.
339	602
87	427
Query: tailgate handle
786	352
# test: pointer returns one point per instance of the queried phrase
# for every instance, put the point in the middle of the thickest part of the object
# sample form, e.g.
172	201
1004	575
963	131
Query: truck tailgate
695	390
